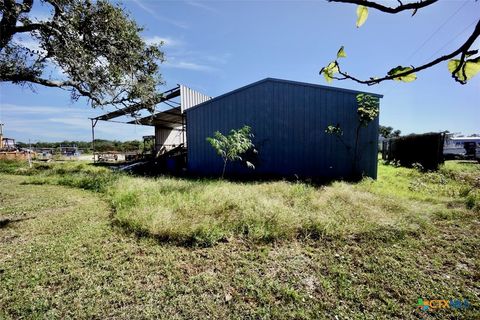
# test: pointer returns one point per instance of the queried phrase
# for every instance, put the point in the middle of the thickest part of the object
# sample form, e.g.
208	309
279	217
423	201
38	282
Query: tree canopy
232	146
90	48
101	145
463	62
388	132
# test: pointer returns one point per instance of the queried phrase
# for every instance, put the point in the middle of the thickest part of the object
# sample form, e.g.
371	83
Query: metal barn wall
288	120
190	98
167	137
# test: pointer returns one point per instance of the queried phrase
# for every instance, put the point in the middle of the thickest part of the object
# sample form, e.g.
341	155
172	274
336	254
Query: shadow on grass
6	222
379	236
153	169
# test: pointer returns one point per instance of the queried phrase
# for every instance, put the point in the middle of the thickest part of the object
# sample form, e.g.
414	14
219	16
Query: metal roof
171	118
190	98
167	95
297	83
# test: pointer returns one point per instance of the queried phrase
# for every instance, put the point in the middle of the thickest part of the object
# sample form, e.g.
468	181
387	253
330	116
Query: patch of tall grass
204	212
73	174
455	182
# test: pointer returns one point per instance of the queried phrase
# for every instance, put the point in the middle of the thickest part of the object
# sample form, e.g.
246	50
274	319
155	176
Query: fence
425	149
14	155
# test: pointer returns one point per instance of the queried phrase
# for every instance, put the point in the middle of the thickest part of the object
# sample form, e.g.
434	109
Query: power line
437	30
446	44
455	37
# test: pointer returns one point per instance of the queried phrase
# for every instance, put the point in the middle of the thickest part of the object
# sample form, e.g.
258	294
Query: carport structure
169	123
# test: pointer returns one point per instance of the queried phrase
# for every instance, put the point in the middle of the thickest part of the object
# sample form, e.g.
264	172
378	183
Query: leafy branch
462	69
94	45
367	111
402	7
232	146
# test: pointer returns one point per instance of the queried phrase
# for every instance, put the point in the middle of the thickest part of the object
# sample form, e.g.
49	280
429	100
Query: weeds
71	174
347	251
204	212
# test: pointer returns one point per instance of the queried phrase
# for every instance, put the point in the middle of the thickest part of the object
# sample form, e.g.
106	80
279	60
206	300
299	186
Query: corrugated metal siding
289	121
190	98
167	137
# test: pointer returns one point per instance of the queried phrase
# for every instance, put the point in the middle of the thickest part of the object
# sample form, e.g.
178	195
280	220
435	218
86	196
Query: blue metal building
288	120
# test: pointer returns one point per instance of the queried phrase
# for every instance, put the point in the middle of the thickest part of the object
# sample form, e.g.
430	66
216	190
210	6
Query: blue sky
218	46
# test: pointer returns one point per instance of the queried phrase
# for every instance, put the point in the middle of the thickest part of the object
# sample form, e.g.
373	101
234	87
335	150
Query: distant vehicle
69	151
462	148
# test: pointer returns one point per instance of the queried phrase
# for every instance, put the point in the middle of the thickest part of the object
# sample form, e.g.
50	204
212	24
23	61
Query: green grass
206	212
73	174
203	212
218	249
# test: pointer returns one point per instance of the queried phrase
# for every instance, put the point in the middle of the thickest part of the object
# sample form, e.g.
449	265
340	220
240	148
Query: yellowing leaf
329	71
472	68
327	77
341	53
362	15
453	64
398	70
467	71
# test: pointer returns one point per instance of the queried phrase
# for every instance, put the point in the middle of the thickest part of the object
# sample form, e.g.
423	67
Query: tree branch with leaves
368	109
232	146
462	69
93	49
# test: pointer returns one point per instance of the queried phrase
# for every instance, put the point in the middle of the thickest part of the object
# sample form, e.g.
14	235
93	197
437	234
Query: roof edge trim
298	83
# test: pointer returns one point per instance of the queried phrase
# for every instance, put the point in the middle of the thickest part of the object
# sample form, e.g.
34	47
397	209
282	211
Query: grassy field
79	241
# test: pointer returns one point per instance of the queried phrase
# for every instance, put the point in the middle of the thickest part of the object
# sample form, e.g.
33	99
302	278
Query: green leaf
368	108
232	146
341	53
467	71
398	70
327	77
362	15
335	130
329	71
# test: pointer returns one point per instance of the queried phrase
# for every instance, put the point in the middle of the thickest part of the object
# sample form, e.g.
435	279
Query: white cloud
180	58
167	41
202	6
109	128
219	59
188	66
75	127
77	122
19	109
56	123
159	17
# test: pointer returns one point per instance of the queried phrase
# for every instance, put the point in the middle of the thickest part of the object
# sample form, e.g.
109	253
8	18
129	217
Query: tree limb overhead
463	50
401	7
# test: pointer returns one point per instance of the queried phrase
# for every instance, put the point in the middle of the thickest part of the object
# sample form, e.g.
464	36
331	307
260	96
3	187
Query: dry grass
205	212
66	261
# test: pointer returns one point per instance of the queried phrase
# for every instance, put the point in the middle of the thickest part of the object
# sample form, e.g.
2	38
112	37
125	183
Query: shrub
232	146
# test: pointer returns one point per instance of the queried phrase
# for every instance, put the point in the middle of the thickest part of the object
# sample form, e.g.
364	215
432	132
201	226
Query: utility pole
29	154
94	123
1	135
